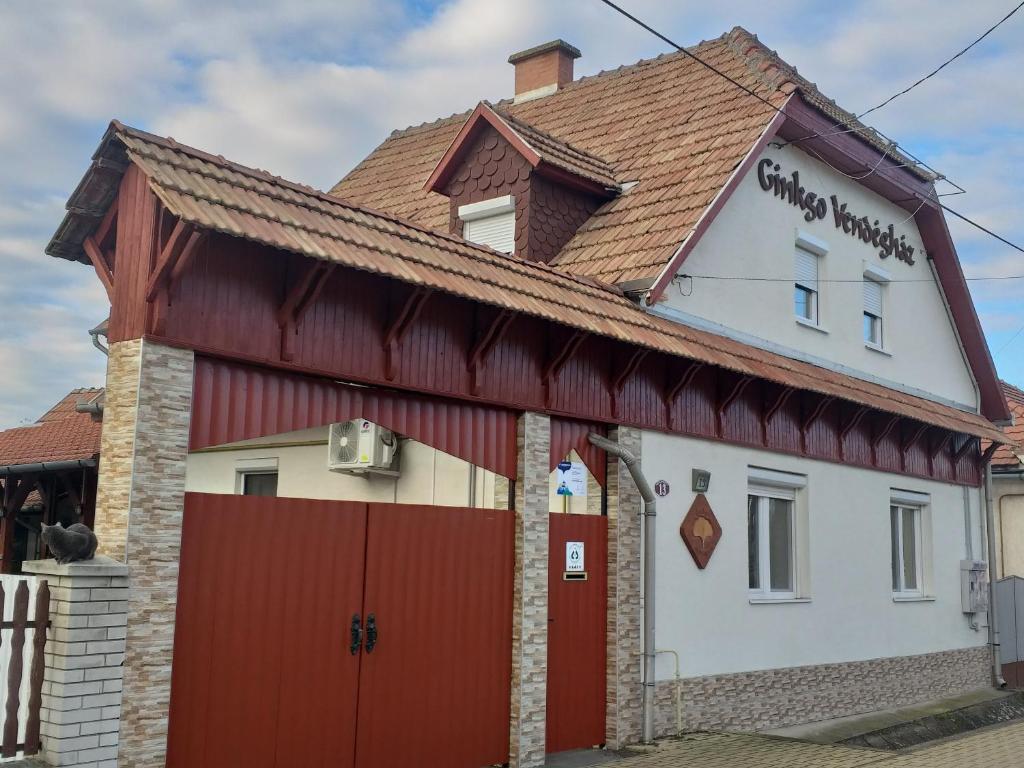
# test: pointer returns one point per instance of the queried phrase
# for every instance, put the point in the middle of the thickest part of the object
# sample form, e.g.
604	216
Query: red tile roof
673	126
1007	455
61	434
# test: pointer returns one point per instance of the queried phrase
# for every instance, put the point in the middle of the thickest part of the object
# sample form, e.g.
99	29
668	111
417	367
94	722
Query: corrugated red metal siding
227	304
262	675
568	434
435	692
233	402
577	635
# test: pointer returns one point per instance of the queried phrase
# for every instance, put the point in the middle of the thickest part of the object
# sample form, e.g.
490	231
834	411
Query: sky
307	89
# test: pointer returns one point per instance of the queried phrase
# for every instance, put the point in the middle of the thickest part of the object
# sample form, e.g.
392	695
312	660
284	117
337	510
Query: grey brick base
777	698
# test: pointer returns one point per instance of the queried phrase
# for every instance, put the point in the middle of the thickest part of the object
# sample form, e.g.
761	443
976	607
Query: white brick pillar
81	703
530	596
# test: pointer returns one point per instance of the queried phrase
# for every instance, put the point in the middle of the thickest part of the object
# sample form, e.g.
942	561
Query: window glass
894	530
753	546
905	532
872	329
805	295
803	303
909	549
259	484
780	534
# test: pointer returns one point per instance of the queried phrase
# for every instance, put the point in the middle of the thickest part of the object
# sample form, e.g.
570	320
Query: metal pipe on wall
635	471
993	614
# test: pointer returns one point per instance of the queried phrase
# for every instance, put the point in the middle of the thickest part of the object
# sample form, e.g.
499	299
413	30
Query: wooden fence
21	697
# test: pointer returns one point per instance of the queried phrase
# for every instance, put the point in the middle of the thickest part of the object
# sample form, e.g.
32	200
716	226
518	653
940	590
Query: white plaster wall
707	615
1008	509
755	235
427	476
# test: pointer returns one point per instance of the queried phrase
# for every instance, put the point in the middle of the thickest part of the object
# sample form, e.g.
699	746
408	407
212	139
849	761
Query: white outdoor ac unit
359	446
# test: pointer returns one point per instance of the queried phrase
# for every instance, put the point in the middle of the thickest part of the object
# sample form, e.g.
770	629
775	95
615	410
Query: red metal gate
577	626
265	669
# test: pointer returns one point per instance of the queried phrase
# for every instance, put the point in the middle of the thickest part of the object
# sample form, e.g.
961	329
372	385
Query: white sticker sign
573	556
572	478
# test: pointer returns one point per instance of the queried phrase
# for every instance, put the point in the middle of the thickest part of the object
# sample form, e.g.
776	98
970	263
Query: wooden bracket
299	298
816	412
676	390
963	449
723	403
773	408
988	453
557	361
884	431
940	445
71	491
399	326
102	266
851	425
628	370
181	243
915	437
106	226
486	341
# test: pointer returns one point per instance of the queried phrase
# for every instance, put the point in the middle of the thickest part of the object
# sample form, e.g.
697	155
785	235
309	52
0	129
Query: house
1008	490
48	473
644	264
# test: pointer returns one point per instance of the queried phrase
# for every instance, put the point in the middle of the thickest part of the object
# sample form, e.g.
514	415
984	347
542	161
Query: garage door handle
357	635
371	633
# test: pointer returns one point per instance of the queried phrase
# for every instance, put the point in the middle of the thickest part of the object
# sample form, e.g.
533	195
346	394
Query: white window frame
919	505
259	466
771	484
881	278
817	248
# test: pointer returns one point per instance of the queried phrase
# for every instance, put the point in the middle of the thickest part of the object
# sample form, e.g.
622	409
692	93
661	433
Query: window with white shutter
491	223
805	293
872	312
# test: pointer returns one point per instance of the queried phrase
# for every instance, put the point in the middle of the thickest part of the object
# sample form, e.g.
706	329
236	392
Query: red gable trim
850	154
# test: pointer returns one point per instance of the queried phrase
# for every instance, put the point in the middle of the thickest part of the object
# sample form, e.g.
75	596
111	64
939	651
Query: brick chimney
542	70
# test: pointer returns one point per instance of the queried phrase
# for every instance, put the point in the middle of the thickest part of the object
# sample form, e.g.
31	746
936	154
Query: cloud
307	89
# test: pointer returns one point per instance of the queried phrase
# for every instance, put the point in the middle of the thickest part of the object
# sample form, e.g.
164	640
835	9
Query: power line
858	281
1009	342
943	65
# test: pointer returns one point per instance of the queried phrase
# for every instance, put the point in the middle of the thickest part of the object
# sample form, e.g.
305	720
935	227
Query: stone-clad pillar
624	691
530	597
140	506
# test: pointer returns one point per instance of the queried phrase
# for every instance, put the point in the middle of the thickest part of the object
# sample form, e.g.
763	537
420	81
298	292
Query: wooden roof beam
101	265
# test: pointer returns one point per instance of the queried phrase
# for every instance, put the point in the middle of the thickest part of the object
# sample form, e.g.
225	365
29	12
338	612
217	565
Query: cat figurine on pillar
68	545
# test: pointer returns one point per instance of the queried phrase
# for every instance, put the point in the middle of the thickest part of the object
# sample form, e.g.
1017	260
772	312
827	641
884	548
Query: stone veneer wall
142	489
776	698
117	447
624	692
530	594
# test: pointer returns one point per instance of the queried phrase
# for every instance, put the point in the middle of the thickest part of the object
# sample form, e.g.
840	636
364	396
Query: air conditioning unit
359	446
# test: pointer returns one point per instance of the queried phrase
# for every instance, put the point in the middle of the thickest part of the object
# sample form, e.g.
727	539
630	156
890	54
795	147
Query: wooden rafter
101	265
963	449
106	226
884	431
399	326
493	333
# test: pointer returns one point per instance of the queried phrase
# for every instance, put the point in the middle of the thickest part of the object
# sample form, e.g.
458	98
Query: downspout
633	465
993	614
972	622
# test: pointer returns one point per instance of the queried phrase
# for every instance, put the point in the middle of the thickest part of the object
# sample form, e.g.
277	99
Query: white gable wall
755	235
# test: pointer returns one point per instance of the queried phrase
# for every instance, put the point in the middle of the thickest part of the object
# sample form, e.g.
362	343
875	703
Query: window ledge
778	600
808	324
898	598
878	349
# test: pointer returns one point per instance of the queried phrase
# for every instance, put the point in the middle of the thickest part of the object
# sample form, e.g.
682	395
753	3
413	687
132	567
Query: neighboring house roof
684	134
60	434
1010	455
215	194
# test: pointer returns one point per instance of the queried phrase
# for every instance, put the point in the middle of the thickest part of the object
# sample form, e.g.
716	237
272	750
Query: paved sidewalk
996	747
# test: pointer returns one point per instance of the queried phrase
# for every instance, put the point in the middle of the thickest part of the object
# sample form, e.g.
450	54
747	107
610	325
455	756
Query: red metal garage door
264	671
577	642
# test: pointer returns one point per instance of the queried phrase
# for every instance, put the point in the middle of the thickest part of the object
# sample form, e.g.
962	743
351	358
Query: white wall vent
360	446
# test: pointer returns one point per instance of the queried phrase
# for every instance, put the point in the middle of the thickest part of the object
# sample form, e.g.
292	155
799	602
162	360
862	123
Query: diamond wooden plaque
700	531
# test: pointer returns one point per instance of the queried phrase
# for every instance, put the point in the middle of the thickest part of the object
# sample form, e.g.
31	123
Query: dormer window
491	223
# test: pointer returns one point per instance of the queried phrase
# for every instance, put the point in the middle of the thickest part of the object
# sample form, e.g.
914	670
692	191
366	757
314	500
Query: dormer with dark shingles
554	187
